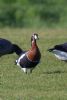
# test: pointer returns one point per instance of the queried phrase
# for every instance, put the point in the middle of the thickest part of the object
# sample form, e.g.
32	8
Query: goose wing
61	47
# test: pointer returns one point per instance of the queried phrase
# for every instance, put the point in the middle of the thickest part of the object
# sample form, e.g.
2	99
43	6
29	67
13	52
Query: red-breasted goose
6	47
60	51
30	58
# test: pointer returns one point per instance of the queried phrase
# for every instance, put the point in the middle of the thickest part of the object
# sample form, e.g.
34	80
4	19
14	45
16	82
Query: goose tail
17	50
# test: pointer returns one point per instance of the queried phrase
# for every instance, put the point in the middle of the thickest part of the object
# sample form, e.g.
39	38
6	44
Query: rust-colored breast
34	54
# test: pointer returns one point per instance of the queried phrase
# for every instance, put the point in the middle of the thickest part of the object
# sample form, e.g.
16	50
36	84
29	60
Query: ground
48	80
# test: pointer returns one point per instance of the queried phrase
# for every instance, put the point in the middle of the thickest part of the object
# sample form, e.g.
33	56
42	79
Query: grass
48	80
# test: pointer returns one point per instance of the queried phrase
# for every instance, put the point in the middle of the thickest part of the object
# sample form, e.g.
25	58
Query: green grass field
48	80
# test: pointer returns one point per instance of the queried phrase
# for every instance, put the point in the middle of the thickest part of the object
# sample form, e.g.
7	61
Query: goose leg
25	70
31	70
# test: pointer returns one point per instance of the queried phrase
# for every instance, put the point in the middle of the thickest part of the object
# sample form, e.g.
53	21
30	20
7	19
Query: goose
60	51
30	58
6	47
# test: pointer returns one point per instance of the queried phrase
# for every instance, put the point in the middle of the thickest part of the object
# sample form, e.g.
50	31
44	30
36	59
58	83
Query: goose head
34	37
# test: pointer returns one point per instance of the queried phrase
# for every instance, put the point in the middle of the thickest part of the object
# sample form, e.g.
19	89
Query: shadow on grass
55	72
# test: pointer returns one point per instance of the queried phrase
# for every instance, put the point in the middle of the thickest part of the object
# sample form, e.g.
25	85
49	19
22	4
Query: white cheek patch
35	37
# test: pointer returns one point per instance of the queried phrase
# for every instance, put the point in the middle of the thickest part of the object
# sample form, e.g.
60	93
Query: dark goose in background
60	51
6	47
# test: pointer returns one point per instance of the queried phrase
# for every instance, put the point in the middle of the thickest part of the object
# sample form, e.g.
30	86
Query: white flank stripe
60	54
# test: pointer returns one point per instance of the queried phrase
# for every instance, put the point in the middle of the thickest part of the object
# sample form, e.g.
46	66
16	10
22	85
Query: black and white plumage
30	58
60	51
